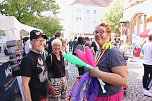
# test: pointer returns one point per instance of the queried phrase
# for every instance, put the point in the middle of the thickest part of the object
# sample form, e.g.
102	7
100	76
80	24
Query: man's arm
25	88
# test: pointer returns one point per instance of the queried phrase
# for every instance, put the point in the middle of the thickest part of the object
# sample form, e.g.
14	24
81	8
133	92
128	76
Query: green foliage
113	15
29	12
49	25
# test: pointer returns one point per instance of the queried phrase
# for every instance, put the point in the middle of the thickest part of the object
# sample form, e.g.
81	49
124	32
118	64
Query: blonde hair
64	41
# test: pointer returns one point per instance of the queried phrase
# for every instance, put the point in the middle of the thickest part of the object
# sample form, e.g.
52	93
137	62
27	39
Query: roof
101	3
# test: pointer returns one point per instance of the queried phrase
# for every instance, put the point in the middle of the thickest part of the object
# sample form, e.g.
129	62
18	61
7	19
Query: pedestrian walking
147	63
63	50
112	67
56	72
80	46
70	45
33	70
94	47
75	42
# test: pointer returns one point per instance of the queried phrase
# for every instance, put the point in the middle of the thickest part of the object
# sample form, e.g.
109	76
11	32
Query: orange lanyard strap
99	56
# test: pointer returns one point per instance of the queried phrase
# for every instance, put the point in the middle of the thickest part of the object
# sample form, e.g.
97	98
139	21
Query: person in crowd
115	42
63	49
33	70
24	41
112	67
57	35
56	72
87	41
81	46
70	45
44	52
147	63
27	46
94	47
75	42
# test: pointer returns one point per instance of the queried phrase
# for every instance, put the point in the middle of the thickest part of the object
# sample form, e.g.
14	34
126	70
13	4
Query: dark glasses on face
101	31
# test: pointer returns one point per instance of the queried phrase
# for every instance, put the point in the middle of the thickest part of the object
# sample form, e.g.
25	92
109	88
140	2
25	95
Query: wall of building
144	7
86	18
137	15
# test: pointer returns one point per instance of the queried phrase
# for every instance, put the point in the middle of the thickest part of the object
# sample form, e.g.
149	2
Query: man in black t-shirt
33	70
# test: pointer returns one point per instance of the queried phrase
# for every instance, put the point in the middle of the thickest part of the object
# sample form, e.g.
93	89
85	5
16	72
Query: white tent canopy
12	28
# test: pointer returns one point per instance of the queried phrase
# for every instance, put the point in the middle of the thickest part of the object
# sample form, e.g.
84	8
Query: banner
8	84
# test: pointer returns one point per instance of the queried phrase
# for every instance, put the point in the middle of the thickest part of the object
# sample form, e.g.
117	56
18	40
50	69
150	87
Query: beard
39	49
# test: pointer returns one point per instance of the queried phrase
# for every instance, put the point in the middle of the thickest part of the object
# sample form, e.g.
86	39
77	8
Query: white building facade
86	18
137	12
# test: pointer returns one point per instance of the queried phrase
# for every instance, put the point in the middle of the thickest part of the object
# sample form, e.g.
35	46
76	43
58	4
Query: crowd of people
44	70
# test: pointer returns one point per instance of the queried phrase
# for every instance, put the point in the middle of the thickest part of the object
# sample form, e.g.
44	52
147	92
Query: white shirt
27	46
147	50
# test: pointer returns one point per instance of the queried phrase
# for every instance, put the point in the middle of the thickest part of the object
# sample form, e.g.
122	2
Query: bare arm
118	77
25	88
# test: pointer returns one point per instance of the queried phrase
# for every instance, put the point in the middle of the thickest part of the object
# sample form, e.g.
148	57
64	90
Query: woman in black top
56	72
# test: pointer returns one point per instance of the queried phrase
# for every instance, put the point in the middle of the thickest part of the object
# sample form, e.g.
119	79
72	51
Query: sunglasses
101	31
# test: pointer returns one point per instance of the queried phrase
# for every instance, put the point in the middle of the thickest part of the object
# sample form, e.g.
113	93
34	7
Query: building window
78	10
78	18
94	11
88	11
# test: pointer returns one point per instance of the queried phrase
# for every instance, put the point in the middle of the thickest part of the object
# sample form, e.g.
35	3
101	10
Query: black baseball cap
35	34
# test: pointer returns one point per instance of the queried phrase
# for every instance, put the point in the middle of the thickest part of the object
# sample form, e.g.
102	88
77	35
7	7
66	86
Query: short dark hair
75	37
58	34
80	40
25	39
87	38
150	37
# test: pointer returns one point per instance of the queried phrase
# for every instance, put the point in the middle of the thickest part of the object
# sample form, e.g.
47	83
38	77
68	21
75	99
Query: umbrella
146	33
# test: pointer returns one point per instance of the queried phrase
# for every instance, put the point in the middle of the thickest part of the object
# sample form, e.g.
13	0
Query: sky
64	5
65	12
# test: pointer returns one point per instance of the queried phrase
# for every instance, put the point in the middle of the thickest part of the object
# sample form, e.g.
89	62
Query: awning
11	23
149	19
123	20
146	33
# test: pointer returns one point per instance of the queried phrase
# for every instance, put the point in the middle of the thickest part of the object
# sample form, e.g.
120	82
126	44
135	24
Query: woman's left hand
94	72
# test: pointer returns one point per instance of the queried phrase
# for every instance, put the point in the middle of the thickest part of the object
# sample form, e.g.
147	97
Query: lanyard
99	56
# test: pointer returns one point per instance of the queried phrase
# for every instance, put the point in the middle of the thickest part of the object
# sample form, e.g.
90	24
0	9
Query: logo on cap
38	33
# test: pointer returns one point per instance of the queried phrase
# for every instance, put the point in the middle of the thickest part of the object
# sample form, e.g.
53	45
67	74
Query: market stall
11	33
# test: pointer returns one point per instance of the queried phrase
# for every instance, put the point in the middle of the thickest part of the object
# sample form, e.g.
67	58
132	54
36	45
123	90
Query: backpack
50	58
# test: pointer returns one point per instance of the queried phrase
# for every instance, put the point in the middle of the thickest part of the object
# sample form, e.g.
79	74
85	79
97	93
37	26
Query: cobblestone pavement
134	90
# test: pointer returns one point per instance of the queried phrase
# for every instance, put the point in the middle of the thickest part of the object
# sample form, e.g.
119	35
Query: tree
29	12
50	25
113	15
20	8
